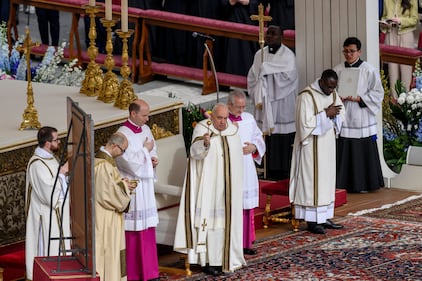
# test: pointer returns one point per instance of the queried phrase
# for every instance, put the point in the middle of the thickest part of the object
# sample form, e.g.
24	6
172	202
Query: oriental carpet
407	210
366	249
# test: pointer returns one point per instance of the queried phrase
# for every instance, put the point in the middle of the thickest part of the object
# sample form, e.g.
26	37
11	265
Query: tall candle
92	3
108	13
124	15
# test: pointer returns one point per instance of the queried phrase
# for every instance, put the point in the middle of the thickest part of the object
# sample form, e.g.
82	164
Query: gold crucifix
204	224
261	18
30	115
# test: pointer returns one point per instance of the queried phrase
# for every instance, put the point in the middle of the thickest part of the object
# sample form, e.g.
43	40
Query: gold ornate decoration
168	120
126	93
261	18
15	160
110	87
30	115
93	81
159	132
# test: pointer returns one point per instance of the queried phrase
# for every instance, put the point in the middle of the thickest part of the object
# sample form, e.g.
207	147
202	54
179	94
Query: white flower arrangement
402	121
409	109
49	70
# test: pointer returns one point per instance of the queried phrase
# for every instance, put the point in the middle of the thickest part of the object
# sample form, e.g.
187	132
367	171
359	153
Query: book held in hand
389	22
348	82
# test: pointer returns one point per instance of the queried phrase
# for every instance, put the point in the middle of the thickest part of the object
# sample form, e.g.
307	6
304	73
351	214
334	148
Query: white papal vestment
210	221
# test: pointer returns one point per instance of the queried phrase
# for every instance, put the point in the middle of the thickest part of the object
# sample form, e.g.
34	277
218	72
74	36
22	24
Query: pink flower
5	76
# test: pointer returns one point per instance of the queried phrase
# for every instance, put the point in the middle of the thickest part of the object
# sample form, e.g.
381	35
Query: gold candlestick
126	95
110	87
30	115
93	81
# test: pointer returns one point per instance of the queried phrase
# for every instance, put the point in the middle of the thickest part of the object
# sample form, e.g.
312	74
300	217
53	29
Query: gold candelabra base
30	115
126	94
110	87
93	81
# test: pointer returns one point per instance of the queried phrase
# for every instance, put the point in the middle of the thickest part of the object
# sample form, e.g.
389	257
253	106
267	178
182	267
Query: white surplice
249	132
313	172
40	179
361	122
210	222
136	163
273	86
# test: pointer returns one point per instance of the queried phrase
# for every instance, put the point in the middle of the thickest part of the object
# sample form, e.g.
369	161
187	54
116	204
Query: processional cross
261	18
30	115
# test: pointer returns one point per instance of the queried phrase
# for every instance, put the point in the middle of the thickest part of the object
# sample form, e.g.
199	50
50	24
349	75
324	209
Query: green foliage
395	152
192	114
401	124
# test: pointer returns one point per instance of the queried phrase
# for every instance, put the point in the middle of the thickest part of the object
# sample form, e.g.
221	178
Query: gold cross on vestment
261	18
204	224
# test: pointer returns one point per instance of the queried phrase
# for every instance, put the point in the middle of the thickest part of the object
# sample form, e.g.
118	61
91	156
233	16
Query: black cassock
282	12
239	53
206	9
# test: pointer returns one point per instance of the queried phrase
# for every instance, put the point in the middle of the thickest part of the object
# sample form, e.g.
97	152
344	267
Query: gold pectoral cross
261	18
204	224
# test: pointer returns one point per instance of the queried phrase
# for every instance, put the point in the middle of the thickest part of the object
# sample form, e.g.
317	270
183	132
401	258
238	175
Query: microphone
196	35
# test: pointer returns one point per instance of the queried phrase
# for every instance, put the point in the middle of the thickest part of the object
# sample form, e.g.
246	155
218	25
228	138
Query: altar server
42	191
138	162
209	225
358	162
112	198
273	85
253	151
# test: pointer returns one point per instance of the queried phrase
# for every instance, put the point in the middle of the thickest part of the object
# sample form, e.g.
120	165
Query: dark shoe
248	251
213	270
331	225
316	228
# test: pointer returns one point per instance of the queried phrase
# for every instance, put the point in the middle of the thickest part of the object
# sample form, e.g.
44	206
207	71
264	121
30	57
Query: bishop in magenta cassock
253	151
138	162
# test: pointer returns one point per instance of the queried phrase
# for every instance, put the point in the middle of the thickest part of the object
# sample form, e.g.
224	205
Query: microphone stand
213	70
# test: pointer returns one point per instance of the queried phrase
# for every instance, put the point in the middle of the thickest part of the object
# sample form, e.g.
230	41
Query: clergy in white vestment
45	192
273	86
319	115
253	151
112	198
358	162
209	224
138	163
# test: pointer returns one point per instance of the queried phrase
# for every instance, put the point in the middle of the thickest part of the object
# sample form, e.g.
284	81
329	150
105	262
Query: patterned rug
409	209
366	249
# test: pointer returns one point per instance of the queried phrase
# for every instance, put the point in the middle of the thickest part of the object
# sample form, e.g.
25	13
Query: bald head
139	112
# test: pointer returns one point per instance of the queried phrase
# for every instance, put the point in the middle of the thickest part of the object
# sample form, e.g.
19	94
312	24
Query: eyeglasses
55	140
121	149
349	51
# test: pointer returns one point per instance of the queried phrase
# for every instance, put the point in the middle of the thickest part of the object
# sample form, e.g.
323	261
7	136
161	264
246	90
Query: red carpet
279	202
12	260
